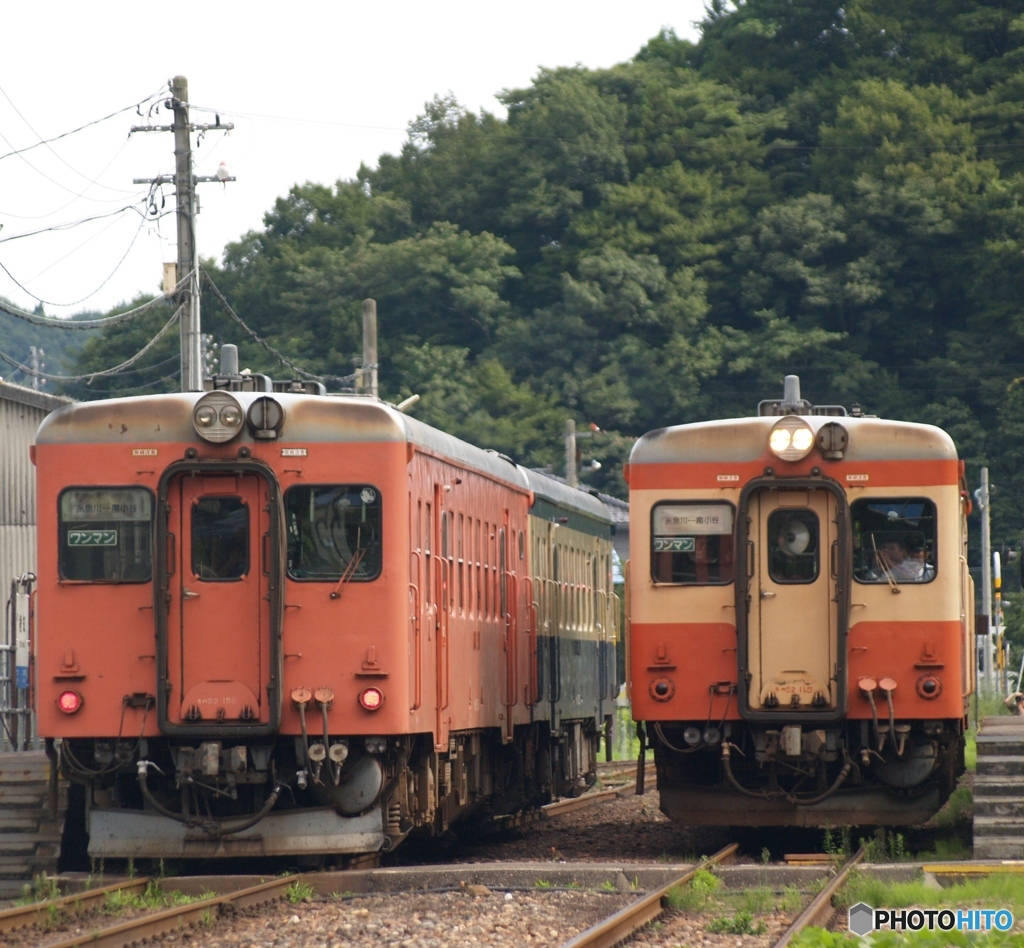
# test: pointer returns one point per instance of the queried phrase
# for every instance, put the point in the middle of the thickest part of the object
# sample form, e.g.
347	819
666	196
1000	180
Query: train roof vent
792	404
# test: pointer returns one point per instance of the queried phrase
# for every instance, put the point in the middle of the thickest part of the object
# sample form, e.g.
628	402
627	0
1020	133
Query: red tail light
371	698
69	701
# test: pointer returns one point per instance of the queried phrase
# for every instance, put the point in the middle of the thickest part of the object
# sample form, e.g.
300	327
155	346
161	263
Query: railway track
621	925
118	933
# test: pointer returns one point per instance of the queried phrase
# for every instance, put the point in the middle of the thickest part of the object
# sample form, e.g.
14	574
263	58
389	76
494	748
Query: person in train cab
906	564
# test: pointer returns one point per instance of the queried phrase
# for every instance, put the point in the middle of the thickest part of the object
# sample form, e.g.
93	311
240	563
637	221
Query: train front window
334	532
106	535
894	540
793	546
692	543
220	539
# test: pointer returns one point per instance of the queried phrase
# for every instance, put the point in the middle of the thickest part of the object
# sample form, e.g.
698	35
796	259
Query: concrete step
999	806
999	847
993	785
999	826
1001	765
1000	743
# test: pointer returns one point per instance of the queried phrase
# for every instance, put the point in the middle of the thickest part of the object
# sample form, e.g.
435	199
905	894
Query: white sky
313	90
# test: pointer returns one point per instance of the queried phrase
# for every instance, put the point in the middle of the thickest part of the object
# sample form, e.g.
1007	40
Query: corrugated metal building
22	410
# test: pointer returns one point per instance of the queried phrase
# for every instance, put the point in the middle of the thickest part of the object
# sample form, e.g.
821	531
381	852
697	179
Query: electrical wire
110	276
343	379
80	324
10	360
46	141
67	225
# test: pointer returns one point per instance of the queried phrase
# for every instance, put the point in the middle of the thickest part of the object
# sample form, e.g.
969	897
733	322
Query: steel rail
174	919
623	923
580	802
24	915
820	909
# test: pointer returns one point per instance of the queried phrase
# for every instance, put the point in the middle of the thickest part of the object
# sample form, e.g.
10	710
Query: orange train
800	616
275	622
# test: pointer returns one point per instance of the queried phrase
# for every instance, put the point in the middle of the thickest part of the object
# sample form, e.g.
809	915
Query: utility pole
185	182
571	476
986	670
36	362
368	374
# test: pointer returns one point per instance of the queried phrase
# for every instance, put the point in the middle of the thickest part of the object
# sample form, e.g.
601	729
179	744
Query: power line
109	277
59	323
10	360
47	141
342	379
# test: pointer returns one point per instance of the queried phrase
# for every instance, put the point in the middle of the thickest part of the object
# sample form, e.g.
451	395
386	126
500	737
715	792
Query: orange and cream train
272	621
800	616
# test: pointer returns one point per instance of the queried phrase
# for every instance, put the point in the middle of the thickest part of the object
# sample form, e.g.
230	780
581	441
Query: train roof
308	419
746	440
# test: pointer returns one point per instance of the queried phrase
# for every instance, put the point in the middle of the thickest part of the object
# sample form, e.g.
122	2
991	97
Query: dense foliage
834	189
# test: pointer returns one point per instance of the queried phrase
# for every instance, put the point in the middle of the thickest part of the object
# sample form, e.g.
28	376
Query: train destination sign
91	504
689	520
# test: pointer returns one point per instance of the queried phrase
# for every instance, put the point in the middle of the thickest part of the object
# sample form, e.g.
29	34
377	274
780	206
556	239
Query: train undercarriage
290	796
848	773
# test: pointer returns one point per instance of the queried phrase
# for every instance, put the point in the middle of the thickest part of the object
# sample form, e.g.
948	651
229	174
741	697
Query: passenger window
793	546
334	531
220	539
106	535
894	540
692	544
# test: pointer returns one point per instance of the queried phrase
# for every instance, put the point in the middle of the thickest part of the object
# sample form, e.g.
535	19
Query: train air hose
768	795
213	827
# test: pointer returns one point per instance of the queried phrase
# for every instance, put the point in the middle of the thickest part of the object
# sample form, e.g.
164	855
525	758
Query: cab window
334	531
106	535
692	543
793	546
894	540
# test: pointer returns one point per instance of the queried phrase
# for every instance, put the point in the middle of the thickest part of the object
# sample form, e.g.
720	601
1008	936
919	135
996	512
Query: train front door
793	616
218	643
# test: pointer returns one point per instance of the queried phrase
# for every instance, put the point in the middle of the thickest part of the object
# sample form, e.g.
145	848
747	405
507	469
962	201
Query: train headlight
217	417
791	439
69	701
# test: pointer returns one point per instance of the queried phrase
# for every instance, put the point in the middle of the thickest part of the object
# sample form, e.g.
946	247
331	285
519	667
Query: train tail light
371	698
69	701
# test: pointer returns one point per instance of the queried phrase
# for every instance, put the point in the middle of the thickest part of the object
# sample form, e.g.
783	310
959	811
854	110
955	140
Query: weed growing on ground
542	884
742	923
696	896
757	901
299	891
43	888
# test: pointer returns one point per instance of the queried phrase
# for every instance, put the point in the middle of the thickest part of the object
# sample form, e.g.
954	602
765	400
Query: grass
151	897
697	896
995	891
742	923
44	888
299	891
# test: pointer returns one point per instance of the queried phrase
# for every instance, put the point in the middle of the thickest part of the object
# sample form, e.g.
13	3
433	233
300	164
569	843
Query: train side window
894	540
793	546
692	543
106	535
334	531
